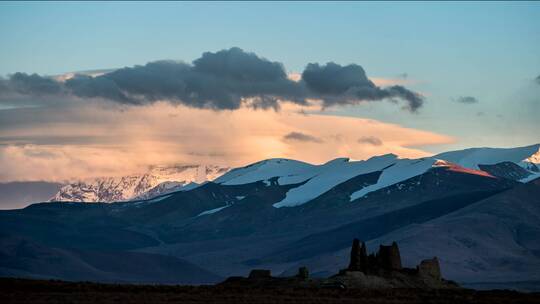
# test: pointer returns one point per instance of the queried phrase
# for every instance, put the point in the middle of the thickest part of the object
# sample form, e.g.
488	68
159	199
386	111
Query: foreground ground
37	291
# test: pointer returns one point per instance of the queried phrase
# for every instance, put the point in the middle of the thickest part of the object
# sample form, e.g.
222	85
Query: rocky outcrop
508	170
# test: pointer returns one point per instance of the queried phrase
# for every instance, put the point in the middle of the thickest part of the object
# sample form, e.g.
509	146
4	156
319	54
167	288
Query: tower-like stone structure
358	257
388	257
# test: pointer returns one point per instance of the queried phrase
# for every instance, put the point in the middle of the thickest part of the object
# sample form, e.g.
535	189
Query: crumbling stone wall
430	268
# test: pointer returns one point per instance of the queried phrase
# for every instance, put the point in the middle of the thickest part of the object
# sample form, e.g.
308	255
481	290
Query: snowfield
294	172
331	174
471	158
402	170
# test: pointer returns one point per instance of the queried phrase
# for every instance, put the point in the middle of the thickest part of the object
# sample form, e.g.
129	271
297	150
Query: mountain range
155	181
477	209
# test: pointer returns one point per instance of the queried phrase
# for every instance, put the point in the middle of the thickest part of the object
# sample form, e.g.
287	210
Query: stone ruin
386	260
382	269
429	268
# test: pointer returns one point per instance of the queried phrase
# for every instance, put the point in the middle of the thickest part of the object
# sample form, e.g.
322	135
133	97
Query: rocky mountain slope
156	181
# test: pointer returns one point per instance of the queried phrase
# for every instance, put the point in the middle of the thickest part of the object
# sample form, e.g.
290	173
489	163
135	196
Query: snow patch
471	158
400	171
265	170
530	178
212	211
327	176
158	199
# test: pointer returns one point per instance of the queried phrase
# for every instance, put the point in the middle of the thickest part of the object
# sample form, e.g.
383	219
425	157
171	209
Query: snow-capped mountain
513	163
156	181
518	164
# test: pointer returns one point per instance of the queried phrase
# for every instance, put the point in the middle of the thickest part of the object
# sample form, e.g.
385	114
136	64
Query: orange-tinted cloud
99	141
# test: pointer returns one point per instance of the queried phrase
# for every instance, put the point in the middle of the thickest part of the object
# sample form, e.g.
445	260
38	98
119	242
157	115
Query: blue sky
476	39
447	50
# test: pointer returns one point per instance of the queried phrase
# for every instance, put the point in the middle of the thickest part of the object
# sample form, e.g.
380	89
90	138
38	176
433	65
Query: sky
120	86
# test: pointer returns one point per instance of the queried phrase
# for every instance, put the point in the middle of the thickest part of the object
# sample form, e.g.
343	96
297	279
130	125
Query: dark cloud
102	87
371	140
222	80
33	84
298	136
537	79
467	99
336	84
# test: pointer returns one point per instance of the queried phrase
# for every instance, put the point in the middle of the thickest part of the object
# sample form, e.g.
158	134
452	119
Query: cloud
400	79
65	143
298	136
100	86
537	79
224	80
466	99
56	140
33	84
372	140
337	85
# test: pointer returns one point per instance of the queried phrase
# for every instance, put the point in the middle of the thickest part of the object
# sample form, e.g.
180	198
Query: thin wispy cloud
371	140
299	136
466	99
